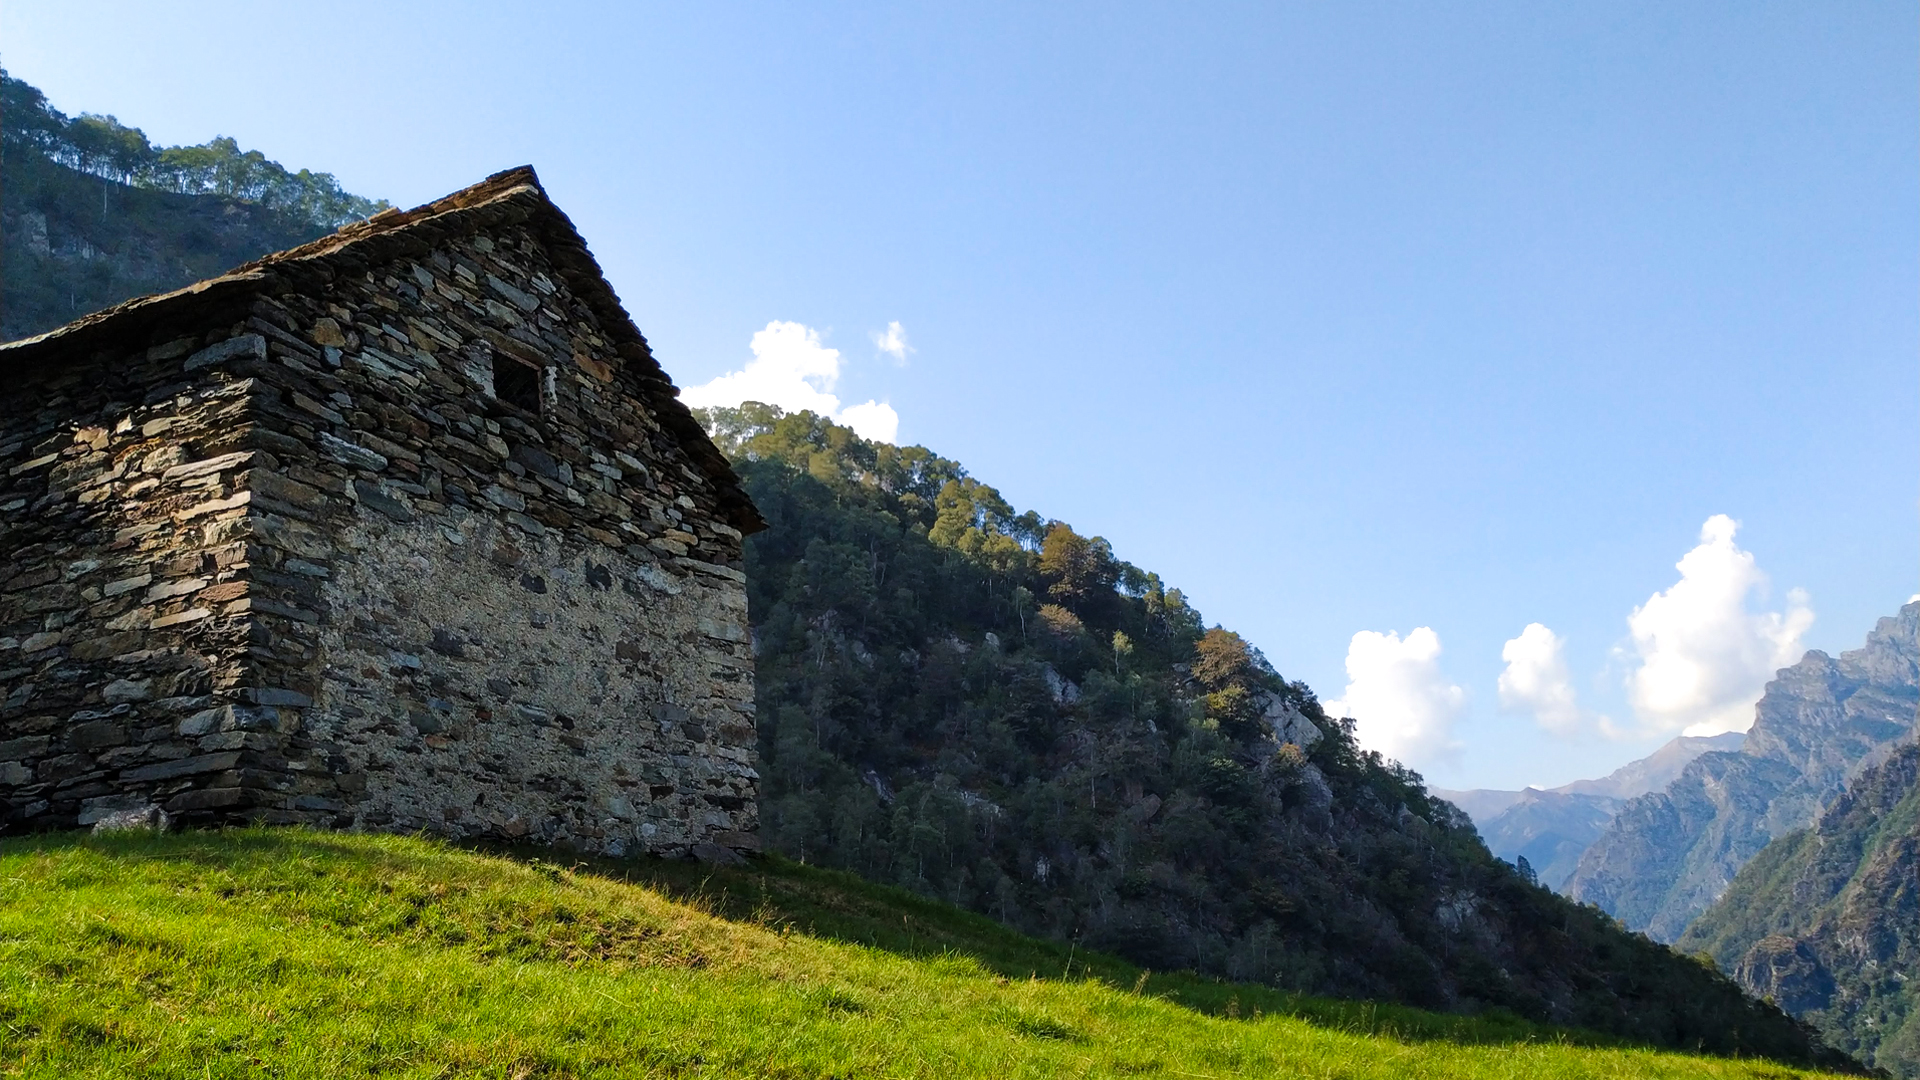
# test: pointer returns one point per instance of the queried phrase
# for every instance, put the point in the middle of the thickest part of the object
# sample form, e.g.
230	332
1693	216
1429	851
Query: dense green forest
991	708
91	213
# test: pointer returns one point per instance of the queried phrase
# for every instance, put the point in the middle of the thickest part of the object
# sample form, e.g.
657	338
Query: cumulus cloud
1536	681
892	341
1703	657
1400	702
874	420
792	369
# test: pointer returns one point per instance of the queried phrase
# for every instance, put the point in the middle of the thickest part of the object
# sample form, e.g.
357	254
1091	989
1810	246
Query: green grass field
284	953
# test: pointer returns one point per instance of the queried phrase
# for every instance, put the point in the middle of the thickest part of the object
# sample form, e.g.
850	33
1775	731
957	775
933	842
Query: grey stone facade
404	529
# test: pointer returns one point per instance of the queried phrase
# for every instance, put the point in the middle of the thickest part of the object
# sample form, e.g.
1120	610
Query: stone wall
409	604
534	596
493	682
121	524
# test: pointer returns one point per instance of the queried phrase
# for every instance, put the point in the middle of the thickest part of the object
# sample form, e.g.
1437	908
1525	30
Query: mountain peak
1670	853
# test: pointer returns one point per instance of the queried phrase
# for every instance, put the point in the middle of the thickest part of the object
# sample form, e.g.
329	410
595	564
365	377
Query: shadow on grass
840	906
835	905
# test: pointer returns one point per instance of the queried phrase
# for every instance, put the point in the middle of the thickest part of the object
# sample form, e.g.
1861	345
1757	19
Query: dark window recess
516	384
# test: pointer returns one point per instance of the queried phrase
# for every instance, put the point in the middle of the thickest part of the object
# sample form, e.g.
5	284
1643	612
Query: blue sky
1348	319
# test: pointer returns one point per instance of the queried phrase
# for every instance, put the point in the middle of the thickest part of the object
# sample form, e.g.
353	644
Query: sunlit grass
296	954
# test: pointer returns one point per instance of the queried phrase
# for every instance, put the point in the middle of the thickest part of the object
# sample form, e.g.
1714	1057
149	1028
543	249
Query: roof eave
508	197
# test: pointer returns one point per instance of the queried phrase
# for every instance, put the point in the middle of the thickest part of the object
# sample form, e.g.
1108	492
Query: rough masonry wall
492	620
495	683
123	602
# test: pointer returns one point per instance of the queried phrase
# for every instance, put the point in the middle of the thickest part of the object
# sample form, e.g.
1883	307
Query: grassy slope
295	954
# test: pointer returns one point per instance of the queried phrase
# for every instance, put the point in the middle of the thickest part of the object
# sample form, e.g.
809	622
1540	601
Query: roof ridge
503	184
509	196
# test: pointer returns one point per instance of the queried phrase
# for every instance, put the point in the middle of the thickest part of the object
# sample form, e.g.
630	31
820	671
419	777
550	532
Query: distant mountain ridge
1658	769
1552	827
1668	855
1546	831
1826	921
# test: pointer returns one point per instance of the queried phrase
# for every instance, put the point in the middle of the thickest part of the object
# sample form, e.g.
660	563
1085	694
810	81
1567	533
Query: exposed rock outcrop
1826	921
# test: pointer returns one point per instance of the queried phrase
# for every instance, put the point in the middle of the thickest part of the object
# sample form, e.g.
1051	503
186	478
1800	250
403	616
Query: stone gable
403	530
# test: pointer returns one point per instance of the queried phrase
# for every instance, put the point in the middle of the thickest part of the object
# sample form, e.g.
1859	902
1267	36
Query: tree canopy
102	146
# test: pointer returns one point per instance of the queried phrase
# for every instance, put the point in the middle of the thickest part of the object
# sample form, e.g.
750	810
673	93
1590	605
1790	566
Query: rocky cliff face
1667	856
72	243
1826	921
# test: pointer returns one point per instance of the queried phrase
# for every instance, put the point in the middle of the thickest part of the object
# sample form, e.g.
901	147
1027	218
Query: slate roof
512	197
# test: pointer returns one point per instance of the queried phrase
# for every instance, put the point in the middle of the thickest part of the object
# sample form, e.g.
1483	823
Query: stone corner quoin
403	530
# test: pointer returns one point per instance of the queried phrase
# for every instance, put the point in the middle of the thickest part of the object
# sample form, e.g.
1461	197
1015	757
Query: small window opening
516	383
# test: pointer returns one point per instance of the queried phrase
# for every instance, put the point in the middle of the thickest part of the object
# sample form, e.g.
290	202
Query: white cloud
792	370
893	341
1400	702
1536	680
1704	658
874	420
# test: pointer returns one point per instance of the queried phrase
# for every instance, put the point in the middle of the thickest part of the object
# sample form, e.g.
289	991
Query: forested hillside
991	708
1826	921
92	214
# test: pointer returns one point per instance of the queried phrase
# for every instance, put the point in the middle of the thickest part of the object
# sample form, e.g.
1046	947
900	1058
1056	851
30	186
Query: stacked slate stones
403	529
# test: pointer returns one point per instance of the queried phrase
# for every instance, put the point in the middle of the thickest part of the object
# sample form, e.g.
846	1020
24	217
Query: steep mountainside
991	709
1826	921
1667	856
1551	828
91	215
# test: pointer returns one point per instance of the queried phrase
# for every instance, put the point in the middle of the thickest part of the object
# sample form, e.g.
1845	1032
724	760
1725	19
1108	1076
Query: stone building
404	529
